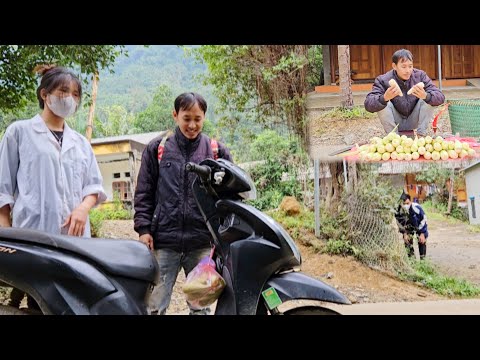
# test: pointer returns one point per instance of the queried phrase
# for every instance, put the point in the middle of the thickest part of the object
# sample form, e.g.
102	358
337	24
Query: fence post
316	196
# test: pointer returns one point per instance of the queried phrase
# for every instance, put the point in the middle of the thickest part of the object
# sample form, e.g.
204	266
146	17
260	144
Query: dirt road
442	307
454	249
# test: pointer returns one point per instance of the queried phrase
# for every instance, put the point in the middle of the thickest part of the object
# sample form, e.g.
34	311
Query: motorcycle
256	257
66	275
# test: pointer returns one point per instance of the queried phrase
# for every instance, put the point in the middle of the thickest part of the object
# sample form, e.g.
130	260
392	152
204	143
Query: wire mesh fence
374	233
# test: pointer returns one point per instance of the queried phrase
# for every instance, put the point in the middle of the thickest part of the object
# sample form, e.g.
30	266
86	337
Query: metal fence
378	241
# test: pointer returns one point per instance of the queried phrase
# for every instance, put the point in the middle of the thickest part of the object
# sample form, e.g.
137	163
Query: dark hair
52	78
188	100
405	196
402	54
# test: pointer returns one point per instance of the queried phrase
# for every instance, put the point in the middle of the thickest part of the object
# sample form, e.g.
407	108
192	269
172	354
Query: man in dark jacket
167	218
393	103
412	221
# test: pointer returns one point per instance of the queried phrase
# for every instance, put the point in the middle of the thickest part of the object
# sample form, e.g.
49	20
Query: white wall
108	169
472	180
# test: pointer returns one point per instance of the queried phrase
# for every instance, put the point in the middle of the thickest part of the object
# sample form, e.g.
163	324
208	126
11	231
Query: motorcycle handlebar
201	170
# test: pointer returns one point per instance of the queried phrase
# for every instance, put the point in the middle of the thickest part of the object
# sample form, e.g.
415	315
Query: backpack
161	147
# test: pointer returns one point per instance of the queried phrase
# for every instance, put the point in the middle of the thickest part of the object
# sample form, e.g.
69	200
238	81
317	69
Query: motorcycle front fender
296	285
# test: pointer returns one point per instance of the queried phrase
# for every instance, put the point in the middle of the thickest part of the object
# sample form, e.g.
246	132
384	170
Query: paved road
444	307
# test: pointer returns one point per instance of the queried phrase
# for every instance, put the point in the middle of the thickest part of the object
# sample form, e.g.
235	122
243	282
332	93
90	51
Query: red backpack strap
214	146
161	146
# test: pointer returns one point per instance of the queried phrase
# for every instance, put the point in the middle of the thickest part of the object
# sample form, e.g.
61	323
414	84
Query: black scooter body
253	252
71	275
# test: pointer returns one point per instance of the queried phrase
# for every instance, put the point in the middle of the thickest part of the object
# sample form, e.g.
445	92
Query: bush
116	211
340	247
96	222
282	156
441	208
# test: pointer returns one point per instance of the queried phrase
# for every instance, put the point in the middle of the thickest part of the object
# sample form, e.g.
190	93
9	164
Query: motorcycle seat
128	258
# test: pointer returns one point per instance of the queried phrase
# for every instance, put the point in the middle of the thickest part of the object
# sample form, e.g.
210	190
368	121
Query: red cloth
471	141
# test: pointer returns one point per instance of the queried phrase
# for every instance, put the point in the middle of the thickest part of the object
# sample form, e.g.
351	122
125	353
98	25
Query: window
127	174
116	175
123	189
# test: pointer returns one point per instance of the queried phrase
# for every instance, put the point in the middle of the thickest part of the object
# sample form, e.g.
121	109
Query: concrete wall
108	169
472	180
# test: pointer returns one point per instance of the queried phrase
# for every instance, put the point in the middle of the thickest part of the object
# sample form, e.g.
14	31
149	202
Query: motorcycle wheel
311	310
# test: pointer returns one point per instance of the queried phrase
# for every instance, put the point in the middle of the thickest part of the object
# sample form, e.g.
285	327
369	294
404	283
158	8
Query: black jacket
164	203
403	104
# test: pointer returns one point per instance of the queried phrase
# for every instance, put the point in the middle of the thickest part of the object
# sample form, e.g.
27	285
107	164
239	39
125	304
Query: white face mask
62	107
406	207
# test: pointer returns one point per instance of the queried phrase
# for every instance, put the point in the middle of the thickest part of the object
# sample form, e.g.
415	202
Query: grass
113	211
426	274
305	220
302	229
436	214
302	226
474	228
338	113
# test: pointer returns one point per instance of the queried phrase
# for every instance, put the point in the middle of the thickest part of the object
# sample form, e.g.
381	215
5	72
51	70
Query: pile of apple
396	147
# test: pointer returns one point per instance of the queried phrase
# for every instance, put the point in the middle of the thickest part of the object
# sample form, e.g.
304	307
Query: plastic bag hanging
204	284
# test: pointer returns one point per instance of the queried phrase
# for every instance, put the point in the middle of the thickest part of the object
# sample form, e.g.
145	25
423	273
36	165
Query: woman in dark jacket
167	218
411	104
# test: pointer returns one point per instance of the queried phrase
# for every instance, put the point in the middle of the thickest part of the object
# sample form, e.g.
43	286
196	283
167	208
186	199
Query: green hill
137	77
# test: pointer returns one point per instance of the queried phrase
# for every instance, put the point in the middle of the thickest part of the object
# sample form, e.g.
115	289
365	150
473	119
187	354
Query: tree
269	145
267	83
158	115
6	118
344	76
91	111
334	188
447	182
113	121
278	174
18	82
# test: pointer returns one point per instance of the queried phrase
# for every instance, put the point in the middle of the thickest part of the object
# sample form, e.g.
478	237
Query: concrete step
326	101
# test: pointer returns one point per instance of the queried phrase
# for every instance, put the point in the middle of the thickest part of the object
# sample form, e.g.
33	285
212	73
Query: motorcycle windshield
240	180
249	195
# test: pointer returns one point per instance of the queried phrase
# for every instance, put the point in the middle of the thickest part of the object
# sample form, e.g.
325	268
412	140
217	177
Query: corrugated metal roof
144	138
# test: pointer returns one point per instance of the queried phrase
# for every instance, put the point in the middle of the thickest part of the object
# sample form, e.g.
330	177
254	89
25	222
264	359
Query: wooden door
459	61
365	61
387	52
468	68
424	57
456	61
